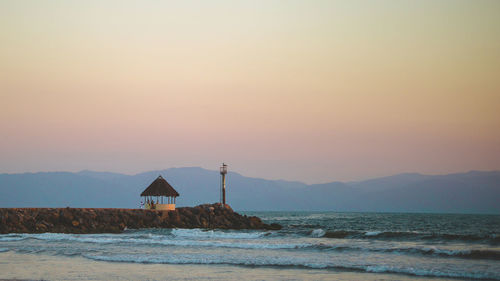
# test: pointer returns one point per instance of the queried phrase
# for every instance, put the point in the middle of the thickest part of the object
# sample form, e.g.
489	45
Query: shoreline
53	268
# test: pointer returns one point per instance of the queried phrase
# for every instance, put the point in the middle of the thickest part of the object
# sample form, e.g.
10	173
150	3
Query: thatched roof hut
160	188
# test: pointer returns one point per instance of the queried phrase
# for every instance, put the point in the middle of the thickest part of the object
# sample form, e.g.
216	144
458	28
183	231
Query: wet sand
15	266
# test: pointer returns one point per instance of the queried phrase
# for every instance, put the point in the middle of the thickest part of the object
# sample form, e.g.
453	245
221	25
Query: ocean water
448	246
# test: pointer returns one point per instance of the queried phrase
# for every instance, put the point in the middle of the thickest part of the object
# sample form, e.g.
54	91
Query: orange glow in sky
313	91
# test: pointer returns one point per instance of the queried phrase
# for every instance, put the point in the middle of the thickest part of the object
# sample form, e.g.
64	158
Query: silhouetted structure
160	189
223	172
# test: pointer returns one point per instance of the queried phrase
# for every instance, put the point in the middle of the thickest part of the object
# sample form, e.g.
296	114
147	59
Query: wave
3	250
89	238
493	238
455	253
461	253
8	239
289	262
11	237
338	234
138	234
477	254
369	234
432	272
166	241
200	233
305	225
372	233
466	254
163	240
273	244
318	233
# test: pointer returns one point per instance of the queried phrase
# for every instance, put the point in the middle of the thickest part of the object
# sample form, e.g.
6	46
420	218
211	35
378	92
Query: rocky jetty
95	220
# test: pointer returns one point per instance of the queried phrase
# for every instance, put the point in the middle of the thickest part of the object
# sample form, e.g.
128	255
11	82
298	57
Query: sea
310	246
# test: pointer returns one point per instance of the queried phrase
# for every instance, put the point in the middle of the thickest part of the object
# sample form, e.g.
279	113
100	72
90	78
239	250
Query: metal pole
224	189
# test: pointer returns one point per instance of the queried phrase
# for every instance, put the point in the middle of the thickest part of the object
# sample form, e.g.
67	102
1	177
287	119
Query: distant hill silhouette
472	192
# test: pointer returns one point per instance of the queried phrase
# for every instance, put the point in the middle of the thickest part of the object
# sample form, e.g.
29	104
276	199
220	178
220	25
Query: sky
314	91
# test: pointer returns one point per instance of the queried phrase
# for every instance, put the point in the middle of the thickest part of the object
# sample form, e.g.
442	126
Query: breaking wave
318	233
432	272
465	254
410	235
244	240
287	262
165	241
11	237
200	233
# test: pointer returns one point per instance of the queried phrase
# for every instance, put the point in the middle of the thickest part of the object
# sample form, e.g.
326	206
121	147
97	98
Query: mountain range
471	192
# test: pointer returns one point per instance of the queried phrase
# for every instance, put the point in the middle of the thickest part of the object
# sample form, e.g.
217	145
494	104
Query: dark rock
274	226
85	220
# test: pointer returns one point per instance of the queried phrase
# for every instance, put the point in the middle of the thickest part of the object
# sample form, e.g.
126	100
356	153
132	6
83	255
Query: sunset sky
314	91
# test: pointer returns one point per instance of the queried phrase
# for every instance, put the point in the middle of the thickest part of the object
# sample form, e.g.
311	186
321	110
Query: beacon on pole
223	172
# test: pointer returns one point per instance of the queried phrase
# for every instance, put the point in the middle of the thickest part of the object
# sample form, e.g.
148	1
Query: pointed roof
160	187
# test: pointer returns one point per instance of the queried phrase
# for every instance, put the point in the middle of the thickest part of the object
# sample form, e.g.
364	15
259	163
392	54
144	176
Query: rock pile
93	220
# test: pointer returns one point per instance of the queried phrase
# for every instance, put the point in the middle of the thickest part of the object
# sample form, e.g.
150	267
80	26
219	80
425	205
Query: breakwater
97	220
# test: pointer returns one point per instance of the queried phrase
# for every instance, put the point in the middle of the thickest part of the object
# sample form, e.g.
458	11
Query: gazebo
160	188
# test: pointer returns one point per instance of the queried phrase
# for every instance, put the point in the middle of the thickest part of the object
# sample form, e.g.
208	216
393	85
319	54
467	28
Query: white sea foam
318	233
429	272
445	251
233	244
211	259
193	238
10	238
200	233
287	261
90	238
167	241
372	233
240	245
49	236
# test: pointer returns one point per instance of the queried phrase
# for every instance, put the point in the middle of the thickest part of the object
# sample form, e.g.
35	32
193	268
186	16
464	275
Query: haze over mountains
472	192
